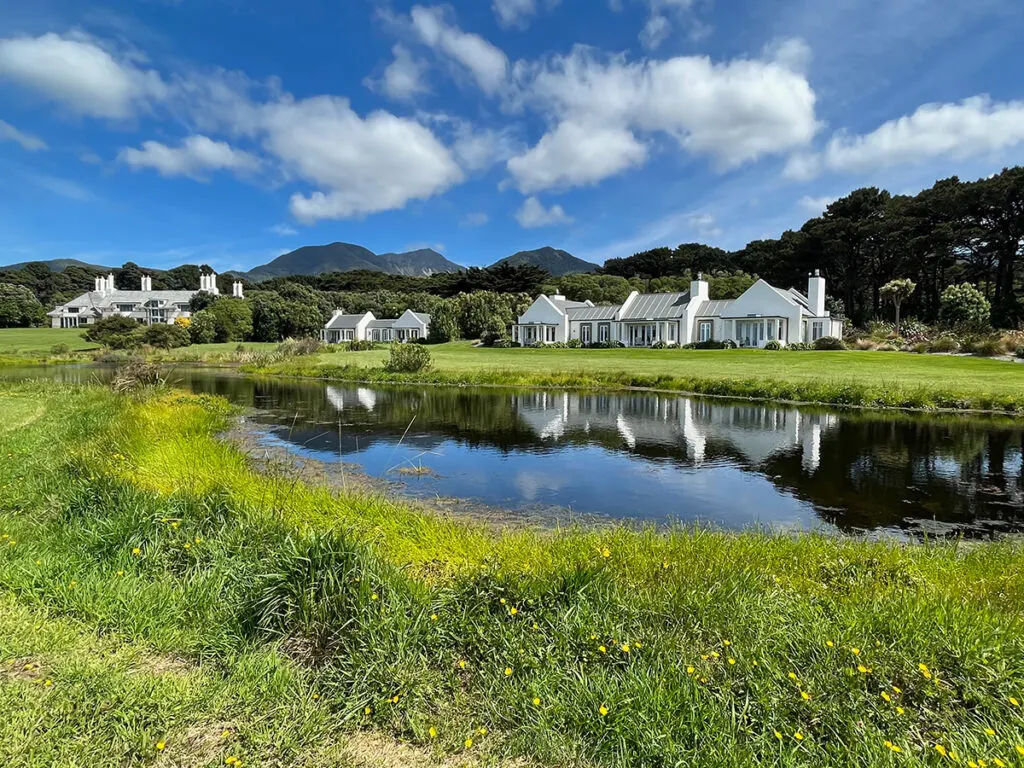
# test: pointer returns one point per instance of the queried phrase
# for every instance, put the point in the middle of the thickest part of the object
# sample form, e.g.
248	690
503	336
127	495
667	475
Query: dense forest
952	233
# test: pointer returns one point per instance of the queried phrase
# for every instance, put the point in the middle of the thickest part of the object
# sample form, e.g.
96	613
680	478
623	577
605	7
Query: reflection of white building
755	431
366	398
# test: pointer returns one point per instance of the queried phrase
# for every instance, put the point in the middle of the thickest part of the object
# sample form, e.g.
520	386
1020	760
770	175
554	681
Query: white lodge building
147	306
762	314
411	326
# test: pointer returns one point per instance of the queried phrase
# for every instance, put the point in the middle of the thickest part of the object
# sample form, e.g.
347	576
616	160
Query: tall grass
613	647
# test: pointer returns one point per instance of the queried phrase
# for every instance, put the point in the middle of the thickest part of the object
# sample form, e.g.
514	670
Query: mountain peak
554	260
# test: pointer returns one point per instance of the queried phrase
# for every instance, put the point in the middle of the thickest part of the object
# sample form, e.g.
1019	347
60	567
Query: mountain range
346	257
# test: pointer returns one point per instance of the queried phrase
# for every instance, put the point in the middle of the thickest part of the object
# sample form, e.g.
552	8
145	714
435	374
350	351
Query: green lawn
863	378
32	341
187	608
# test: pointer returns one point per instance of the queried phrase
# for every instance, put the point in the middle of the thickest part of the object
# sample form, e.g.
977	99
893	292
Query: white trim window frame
586	332
705	330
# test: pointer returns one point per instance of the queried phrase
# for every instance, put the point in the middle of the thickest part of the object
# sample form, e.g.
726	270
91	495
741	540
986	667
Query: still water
649	457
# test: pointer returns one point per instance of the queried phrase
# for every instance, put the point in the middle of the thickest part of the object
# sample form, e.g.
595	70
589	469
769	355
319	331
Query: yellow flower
855	651
732	661
625	647
225	733
603	710
690	670
482	731
940	749
726	642
512	611
395	699
161	746
925	671
502	601
1020	750
829	644
432	732
972	764
462	663
891	747
374	596
664	566
897	690
188	546
48	683
469	743
778	735
989	732
606	552
368	710
536	625
536	701
508	671
230	760
120	573
863	670
433	617
198	540
805	695
791	675
602	649
637	645
899	710
798	736
998	762
886	696
1014	702
136	551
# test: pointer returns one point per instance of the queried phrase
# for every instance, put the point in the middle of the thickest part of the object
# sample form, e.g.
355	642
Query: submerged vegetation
157	592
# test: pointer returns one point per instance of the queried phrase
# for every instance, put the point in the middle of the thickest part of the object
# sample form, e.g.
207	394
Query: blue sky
230	131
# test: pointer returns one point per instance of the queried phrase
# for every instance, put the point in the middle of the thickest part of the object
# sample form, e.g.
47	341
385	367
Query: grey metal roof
714	308
584	314
98	299
380	324
565	304
422	317
800	297
657	306
345	321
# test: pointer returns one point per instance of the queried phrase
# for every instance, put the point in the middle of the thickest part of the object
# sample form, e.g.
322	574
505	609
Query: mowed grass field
34	341
970	377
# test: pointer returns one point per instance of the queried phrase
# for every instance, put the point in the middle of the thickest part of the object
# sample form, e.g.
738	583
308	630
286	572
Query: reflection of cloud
367	398
530	484
336	398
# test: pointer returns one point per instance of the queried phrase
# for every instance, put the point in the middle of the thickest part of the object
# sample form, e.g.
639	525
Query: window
671	331
704	330
72	310
414	333
604	331
586	332
549	333
347	335
817	331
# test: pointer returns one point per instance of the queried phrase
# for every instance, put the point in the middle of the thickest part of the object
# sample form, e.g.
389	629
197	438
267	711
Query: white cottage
411	326
762	314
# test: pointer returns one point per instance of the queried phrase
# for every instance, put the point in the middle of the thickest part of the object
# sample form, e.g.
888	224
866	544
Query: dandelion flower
805	695
940	749
664	566
482	731
1014	702
602	649
469	743
1020	750
606	552
225	733
502	601
374	596
989	732
433	617
513	611
862	669
161	746
798	736
855	651
925	671
395	699
791	675
900	710
897	690
536	701
625	647
462	663
120	573
48	683
368	710
690	670
136	551
508	671
999	763
230	760
727	642
432	732
778	735
603	710
732	661
714	654
187	545
829	644
892	747
886	696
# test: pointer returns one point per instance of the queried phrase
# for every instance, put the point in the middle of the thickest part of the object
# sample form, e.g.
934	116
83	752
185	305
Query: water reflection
655	457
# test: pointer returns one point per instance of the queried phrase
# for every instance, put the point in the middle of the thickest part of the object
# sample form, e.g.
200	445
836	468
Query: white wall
543	311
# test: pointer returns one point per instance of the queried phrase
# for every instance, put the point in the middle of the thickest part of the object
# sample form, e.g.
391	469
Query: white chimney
97	285
816	294
558	297
699	288
110	283
236	290
147	283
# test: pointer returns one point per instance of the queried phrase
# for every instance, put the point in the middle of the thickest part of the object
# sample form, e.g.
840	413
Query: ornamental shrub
964	306
773	345
408	358
829	343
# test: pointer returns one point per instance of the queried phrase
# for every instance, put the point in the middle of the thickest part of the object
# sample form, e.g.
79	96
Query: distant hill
56	265
555	261
345	257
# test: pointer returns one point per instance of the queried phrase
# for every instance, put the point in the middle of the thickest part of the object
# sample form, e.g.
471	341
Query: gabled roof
714	308
380	323
345	321
99	299
566	304
583	314
421	317
656	306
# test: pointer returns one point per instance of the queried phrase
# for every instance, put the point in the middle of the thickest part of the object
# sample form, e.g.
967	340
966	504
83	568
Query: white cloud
734	112
195	156
655	31
975	126
61	187
79	73
816	205
90	158
663	14
793	53
28	142
367	165
487	64
533	214
576	154
513	13
283	230
705	224
479	149
475	219
404	77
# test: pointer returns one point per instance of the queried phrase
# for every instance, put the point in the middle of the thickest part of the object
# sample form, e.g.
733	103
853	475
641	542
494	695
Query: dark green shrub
295	347
830	343
659	345
574	344
1020	352
964	306
361	346
502	344
408	358
988	348
203	327
60	349
166	336
489	338
773	345
115	332
944	344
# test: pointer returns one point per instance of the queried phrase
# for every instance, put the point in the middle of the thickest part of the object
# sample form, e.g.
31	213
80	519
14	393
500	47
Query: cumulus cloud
705	224
815	205
733	112
487	64
27	141
81	74
193	158
403	79
517	13
533	214
663	14
576	154
975	126
367	165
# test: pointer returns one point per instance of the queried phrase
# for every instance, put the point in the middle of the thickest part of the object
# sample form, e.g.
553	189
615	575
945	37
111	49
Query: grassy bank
872	379
311	622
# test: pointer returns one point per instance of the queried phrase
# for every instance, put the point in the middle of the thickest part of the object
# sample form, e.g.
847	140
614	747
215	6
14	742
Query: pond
647	457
